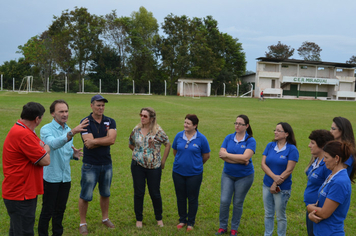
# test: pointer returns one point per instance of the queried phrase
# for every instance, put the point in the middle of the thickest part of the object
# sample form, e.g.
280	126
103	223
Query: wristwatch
70	134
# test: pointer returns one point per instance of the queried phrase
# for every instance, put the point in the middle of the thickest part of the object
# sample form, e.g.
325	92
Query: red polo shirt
21	152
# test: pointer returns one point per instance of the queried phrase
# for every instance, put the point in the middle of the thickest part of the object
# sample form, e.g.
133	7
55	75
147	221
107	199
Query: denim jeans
54	202
275	203
153	177
92	174
187	187
235	188
22	216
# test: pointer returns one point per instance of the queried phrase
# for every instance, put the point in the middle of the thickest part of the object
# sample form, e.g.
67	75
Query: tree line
80	45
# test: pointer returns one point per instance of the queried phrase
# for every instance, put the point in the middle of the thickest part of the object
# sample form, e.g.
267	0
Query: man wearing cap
97	167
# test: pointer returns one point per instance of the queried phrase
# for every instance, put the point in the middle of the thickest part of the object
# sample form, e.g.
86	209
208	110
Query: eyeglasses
333	128
280	131
186	145
145	116
239	124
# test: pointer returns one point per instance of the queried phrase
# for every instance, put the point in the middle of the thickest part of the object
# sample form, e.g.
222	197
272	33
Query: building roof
306	62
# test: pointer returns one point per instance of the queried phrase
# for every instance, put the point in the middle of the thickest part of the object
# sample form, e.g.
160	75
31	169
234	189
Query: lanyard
315	166
328	181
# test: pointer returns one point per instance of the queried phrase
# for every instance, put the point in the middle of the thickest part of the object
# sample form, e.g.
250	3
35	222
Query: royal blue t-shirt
100	155
316	177
231	146
278	162
189	161
337	189
349	164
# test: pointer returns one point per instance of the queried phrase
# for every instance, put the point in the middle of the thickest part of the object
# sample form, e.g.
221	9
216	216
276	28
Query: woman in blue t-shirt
238	174
330	210
191	150
278	161
316	171
342	130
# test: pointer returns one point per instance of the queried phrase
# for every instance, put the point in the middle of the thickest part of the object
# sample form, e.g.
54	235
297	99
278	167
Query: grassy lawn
216	115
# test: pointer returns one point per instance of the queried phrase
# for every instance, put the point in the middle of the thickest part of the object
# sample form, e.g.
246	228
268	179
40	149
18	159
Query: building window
273	84
285	66
303	67
339	70
320	68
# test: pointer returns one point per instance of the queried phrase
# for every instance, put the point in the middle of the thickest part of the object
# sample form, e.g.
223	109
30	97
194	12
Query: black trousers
53	206
153	177
22	216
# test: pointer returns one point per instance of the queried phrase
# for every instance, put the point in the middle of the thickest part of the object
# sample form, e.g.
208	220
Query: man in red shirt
23	158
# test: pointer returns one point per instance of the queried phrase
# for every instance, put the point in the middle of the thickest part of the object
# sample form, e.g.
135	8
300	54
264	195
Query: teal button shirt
55	136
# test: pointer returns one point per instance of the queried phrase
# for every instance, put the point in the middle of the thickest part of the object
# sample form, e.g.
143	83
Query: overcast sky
256	23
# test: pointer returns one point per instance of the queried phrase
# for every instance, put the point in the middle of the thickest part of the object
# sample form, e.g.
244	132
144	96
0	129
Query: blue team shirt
316	177
100	155
189	161
232	146
337	189
349	164
278	161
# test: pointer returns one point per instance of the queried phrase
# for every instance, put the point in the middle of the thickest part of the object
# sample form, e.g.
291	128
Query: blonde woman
145	142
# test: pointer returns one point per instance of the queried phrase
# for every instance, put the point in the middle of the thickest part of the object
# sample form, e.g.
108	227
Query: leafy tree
352	60
280	51
310	51
234	66
117	35
106	66
175	48
39	53
80	31
15	69
143	36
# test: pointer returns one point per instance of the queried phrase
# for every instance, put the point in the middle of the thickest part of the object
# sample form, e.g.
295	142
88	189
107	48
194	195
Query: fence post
118	86
149	87
13	84
99	85
83	85
165	88
65	84
224	89
133	86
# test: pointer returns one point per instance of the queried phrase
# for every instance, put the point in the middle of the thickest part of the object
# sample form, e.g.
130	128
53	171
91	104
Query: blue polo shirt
349	164
277	161
316	177
189	161
55	136
233	146
100	155
337	189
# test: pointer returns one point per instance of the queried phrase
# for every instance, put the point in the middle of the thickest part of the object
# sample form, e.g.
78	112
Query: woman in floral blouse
145	142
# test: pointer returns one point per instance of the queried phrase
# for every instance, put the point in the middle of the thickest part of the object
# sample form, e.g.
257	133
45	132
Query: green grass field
216	115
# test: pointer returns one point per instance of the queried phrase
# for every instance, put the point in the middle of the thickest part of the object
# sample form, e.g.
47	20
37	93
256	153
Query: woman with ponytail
330	210
238	174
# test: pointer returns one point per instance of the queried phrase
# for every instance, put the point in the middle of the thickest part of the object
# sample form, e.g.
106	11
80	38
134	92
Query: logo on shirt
243	146
323	193
107	125
195	145
315	176
283	157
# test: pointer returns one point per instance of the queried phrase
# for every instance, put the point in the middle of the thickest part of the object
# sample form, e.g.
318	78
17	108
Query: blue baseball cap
98	97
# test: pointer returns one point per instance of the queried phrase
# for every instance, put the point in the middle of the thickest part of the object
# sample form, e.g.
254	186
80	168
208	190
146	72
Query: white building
194	87
292	78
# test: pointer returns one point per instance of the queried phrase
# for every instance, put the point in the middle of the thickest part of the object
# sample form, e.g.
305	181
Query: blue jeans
153	177
236	188
187	187
92	174
275	203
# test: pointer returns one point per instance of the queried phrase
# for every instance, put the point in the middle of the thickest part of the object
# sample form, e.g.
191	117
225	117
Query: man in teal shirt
56	177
